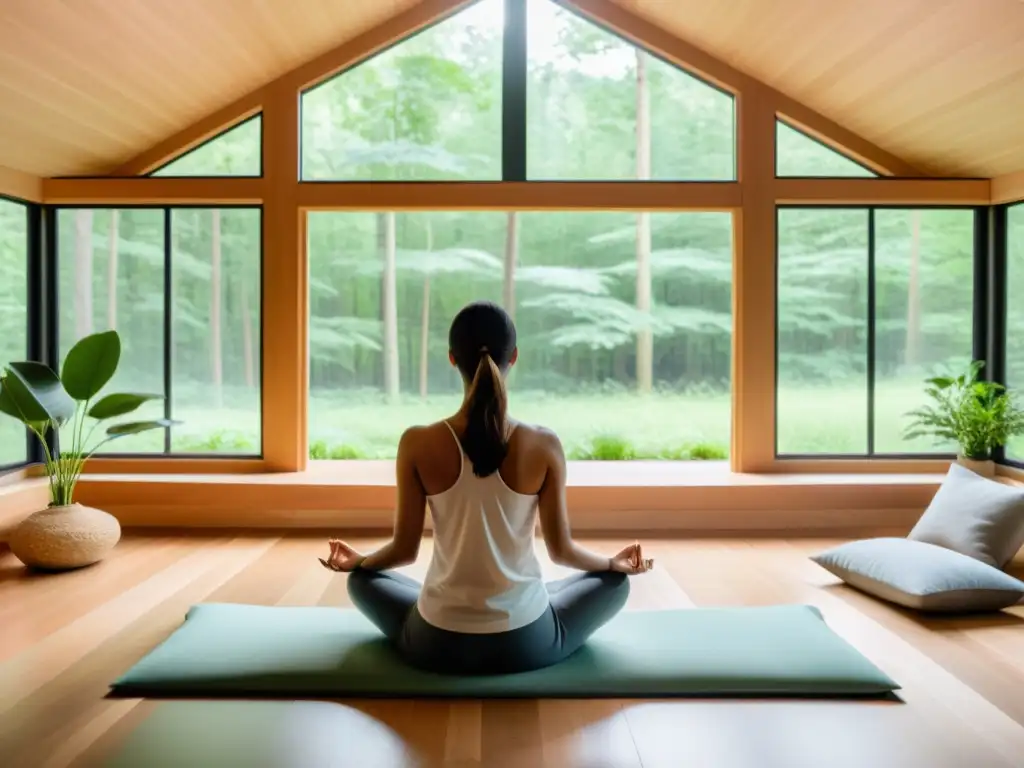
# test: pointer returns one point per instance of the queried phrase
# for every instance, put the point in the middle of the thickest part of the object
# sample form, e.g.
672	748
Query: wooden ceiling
938	83
87	84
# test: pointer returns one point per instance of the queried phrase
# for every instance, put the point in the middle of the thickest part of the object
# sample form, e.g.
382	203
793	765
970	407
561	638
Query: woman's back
484	575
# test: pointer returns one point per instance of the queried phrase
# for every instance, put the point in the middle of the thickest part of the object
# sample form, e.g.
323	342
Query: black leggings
579	605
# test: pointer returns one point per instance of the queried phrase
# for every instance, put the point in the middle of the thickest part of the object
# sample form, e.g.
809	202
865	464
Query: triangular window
798	155
235	152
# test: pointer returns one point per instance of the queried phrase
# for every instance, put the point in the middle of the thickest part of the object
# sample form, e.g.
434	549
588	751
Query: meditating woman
484	608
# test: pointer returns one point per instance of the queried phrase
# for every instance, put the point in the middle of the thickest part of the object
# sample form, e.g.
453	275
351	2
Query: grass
593	426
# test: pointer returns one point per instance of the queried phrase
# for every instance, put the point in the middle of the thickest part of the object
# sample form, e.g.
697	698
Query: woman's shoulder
536	434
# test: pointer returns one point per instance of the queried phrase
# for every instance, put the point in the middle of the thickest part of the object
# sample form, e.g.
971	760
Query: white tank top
484	575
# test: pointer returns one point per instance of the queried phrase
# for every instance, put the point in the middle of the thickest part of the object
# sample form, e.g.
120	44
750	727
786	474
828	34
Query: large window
592	106
13	315
237	151
194	339
427	109
870	303
618	372
1015	314
600	108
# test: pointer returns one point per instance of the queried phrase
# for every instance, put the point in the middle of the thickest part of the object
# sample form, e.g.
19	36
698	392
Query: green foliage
320	450
34	395
605	448
978	415
90	364
614	448
708	452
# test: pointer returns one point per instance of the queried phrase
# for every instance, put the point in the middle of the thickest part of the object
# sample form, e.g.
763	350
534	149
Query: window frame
979	321
52	257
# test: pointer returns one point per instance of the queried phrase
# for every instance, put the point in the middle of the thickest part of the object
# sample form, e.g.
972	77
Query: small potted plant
66	534
979	416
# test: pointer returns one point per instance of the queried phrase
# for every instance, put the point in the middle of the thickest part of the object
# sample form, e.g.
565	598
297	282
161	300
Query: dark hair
482	340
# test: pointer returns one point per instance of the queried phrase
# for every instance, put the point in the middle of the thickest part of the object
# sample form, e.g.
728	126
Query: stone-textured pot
60	538
983	467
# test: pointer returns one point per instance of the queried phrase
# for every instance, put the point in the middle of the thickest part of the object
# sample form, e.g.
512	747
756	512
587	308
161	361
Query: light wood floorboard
64	637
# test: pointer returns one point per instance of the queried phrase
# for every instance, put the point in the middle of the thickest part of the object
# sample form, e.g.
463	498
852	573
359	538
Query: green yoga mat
245	650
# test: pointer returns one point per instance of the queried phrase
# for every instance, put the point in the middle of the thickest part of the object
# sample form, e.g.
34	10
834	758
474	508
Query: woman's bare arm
554	516
412	506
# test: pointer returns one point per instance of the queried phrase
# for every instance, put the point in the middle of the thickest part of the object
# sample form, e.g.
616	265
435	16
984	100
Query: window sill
603	497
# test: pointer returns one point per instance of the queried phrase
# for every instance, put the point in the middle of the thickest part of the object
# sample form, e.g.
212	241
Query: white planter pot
60	538
986	468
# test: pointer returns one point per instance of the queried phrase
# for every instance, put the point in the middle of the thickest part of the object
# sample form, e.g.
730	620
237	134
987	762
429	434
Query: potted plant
978	415
66	534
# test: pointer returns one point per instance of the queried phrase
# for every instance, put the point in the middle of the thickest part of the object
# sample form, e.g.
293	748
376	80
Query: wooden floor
63	638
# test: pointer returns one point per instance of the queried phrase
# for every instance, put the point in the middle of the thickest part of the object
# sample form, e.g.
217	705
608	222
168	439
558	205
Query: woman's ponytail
485	440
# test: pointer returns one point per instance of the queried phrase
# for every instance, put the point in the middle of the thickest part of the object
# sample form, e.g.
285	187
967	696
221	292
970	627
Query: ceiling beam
150	190
23	186
882	191
693	59
1008	189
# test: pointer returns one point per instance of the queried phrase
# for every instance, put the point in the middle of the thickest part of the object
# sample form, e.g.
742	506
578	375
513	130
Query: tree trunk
912	349
425	320
83	272
645	336
216	358
508	291
112	273
247	346
390	309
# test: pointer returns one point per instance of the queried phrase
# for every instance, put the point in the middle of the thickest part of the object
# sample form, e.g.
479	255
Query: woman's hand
631	561
343	558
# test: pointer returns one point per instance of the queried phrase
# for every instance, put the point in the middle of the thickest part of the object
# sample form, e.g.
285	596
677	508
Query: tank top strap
458	443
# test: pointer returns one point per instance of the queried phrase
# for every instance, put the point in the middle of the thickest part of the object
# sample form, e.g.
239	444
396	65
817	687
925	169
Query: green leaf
37	394
90	364
135	427
119	404
942	382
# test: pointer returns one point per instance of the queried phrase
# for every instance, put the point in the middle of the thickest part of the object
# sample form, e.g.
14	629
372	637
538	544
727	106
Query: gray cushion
974	516
921	576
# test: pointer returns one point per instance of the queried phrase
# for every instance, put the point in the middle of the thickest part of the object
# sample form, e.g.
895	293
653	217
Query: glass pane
924	314
797	154
822	331
428	108
216	330
236	152
601	108
111	276
1015	315
378	367
13	315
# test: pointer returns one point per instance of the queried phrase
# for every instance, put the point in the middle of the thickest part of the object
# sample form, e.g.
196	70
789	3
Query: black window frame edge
997	268
515	45
258	116
980	314
33	235
167	210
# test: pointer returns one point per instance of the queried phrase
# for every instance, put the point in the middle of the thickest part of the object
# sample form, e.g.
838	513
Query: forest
624	319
